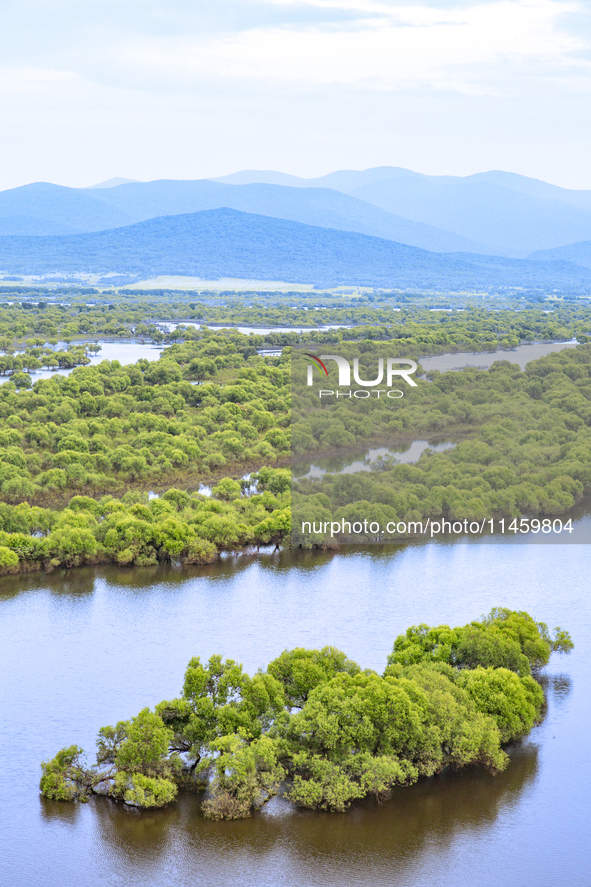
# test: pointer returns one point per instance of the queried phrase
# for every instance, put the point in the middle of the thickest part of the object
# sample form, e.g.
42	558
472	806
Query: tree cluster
136	530
204	406
319	729
523	444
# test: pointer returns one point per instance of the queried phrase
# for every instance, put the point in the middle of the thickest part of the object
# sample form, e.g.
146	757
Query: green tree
72	546
246	776
8	560
63	776
300	670
513	702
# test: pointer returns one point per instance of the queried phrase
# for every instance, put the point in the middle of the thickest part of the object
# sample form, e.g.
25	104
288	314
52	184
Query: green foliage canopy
353	733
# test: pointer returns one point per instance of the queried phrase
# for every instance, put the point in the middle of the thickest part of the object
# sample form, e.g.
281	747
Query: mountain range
384	226
494	212
505	213
218	243
42	209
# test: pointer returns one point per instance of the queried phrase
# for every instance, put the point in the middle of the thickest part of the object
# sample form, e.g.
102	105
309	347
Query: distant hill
112	183
313	206
52	209
508	214
43	208
227	243
345	180
578	253
265	177
504	219
535	188
494	212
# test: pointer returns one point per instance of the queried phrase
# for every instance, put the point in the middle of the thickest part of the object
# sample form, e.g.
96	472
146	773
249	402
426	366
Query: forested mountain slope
226	243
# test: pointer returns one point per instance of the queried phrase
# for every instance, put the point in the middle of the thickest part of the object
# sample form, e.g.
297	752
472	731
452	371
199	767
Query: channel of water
521	355
85	648
128	351
363	460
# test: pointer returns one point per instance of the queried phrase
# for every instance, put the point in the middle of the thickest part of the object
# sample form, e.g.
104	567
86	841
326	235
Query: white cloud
466	49
301	86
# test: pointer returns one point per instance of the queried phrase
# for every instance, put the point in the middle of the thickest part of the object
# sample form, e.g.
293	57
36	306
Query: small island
318	729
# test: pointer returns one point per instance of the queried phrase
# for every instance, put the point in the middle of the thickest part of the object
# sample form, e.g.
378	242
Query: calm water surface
521	355
126	351
85	648
363	459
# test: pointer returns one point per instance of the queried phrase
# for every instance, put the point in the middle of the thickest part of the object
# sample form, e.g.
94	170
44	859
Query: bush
8	560
200	551
61	780
144	791
72	546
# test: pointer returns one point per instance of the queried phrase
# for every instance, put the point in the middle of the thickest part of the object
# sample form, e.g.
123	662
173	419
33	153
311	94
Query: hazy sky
199	88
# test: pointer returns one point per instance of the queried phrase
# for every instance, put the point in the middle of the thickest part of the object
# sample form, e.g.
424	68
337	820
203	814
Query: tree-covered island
316	728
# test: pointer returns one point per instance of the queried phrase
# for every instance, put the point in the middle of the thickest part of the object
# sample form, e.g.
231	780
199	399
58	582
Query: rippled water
84	648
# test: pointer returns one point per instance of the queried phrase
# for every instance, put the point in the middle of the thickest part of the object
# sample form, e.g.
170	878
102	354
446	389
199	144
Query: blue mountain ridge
494	212
507	213
579	253
228	243
44	209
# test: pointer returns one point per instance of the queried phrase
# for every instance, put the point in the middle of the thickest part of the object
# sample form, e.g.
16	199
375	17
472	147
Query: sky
189	89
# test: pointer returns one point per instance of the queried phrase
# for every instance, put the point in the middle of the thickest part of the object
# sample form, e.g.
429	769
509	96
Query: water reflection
385	840
87	647
133	835
369	459
58	813
81	581
557	687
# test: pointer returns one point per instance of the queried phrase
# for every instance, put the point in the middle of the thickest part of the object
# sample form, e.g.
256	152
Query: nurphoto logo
391	368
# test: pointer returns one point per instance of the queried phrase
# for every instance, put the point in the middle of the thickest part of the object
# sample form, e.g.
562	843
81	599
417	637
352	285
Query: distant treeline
26	324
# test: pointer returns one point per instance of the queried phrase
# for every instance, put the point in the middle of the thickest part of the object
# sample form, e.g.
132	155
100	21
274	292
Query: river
84	648
520	355
128	351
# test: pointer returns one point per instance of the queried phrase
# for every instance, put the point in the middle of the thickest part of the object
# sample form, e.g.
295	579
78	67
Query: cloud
398	47
293	84
376	44
51	29
475	48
